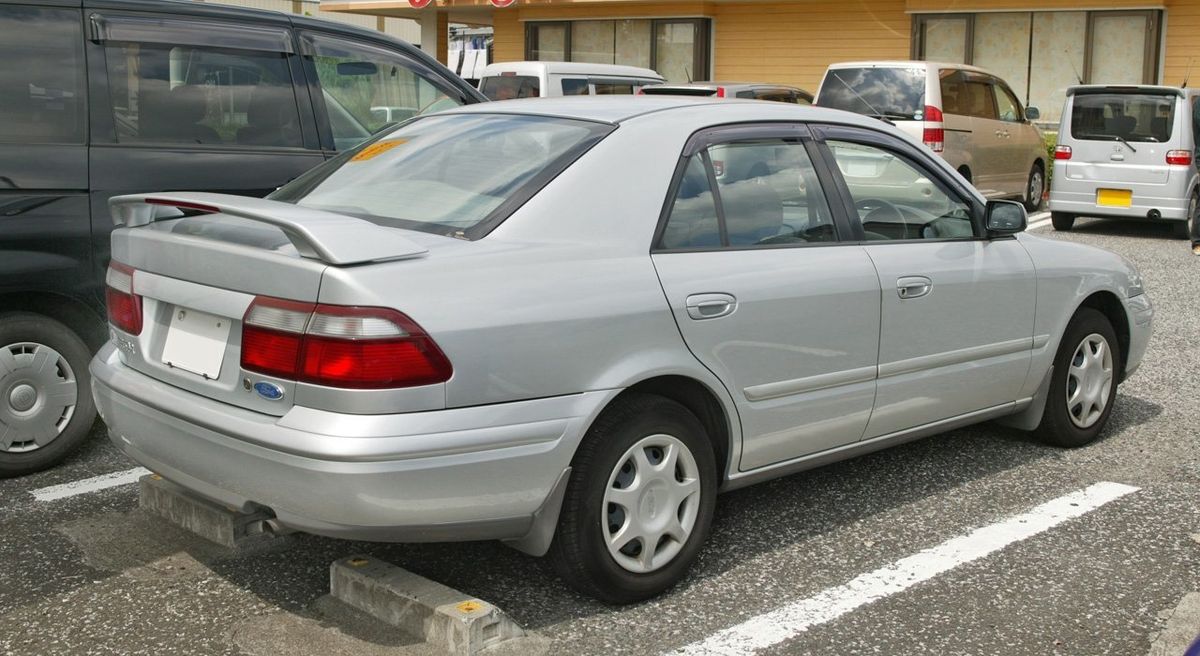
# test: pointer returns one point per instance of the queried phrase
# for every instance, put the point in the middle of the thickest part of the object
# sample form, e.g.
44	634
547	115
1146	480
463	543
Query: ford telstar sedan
568	324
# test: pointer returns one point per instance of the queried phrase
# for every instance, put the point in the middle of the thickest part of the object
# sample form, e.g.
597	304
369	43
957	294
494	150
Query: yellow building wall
793	42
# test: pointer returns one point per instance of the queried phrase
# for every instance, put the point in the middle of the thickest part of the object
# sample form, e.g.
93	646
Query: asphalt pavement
88	573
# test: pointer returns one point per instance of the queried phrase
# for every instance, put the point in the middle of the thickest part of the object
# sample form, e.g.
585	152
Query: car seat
270	118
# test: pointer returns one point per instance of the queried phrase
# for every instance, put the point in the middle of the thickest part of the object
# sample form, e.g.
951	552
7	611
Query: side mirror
1005	217
1032	113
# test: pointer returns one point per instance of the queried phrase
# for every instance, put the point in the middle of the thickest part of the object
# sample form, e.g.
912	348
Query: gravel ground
93	575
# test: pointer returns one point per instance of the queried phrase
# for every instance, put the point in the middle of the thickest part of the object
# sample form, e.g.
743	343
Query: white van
539	79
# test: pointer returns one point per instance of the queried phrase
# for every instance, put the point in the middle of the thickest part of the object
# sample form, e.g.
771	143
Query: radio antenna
1187	75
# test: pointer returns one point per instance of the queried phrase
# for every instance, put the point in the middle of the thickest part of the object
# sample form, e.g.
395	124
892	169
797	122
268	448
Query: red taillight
1062	152
934	135
1179	157
720	92
124	307
339	346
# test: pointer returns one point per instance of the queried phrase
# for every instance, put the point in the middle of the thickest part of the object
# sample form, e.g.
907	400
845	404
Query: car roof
909	63
728	85
1082	89
620	108
579	68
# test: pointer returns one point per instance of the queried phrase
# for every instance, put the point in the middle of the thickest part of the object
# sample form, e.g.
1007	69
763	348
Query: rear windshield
507	87
456	175
897	93
1143	117
678	91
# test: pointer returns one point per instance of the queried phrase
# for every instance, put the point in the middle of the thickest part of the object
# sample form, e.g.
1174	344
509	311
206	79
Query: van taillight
339	346
1062	152
720	92
1179	157
124	307
935	130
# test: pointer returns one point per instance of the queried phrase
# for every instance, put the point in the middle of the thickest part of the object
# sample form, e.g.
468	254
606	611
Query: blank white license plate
196	342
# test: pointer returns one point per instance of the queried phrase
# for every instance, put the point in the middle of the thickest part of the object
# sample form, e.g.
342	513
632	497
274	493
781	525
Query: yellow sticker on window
377	149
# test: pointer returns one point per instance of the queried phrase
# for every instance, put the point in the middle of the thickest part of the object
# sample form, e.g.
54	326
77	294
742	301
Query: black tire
34	329
965	173
579	552
1057	427
1031	203
1062	222
1186	229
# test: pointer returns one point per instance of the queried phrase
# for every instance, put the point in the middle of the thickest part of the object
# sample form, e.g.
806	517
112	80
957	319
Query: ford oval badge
269	391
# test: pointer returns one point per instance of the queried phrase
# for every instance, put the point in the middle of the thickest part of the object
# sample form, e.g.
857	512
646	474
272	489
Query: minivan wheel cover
1089	381
1037	187
651	503
38	392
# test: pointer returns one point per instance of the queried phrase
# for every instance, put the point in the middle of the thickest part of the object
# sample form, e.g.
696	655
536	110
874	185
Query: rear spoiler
326	236
1092	89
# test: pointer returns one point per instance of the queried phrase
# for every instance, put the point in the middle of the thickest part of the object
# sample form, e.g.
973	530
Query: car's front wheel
639	503
1083	386
46	407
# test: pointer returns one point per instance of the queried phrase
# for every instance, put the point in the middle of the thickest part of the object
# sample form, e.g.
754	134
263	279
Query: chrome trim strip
767	391
948	358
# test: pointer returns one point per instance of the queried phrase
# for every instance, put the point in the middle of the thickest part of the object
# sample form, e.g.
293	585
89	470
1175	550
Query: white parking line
1038	220
793	619
93	484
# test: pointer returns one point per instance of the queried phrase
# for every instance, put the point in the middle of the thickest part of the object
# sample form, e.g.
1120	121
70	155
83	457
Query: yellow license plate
1114	197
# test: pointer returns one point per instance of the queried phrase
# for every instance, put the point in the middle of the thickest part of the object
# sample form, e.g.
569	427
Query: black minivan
107	97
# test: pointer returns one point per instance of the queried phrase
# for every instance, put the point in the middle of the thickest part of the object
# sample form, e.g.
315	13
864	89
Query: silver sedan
568	324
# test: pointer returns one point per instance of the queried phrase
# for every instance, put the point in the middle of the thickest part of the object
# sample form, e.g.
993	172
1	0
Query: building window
676	48
1042	53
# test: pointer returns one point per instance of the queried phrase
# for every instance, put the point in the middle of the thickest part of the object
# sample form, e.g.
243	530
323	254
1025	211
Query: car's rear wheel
639	503
1062	222
1035	188
1187	228
46	407
1083	386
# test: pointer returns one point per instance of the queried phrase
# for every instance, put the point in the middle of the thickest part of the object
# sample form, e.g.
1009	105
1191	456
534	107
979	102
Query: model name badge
269	391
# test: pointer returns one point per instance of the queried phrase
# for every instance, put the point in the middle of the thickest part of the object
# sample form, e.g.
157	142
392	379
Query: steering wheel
874	206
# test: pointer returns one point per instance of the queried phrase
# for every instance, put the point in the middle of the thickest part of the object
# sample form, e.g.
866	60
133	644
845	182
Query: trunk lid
196	276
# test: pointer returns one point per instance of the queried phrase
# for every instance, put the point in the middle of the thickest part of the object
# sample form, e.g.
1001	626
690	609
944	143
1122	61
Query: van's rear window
1145	117
456	174
897	93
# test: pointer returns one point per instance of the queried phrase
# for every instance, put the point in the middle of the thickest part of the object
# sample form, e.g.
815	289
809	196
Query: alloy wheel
1037	186
1089	380
38	394
651	503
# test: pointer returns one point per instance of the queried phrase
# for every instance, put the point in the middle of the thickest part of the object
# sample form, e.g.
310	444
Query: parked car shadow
749	523
1124	227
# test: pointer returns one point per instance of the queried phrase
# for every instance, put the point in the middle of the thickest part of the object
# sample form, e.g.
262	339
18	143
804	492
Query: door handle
913	286
710	306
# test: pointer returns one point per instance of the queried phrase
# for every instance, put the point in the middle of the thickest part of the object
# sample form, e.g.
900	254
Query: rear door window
612	87
507	87
1143	117
358	80
575	86
897	93
964	94
203	96
41	82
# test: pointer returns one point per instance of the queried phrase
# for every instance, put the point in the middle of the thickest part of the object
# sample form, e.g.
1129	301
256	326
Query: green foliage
1051	140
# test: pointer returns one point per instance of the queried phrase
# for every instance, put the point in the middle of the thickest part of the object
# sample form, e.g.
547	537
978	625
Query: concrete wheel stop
211	521
440	615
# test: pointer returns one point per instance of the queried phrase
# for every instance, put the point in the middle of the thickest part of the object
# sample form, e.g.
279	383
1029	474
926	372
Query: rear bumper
460	474
1079	198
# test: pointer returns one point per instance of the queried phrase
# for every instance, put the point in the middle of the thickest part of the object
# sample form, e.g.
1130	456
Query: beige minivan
965	114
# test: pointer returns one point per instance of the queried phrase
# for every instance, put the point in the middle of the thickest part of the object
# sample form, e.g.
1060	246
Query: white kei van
1128	152
540	79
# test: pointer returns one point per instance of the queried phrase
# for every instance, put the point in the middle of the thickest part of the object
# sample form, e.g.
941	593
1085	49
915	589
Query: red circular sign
501	3
419	4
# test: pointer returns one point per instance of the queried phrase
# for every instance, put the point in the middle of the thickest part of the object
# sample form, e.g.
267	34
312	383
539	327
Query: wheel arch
1108	304
76	315
701	401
